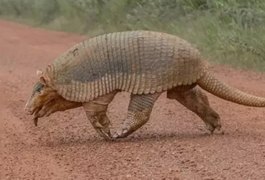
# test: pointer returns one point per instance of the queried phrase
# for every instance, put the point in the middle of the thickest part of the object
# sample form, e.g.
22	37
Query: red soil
170	146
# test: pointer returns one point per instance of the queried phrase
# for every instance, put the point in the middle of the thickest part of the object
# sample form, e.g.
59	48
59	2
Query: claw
98	125
212	129
115	135
120	134
35	120
104	134
219	130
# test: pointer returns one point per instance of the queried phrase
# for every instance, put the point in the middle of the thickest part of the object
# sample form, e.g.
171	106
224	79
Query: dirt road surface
172	145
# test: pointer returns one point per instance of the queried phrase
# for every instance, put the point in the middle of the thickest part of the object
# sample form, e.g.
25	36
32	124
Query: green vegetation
226	31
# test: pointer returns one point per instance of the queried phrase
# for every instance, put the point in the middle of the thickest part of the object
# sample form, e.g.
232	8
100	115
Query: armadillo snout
27	109
30	108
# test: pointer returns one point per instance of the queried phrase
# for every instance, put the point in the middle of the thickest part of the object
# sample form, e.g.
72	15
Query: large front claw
101	124
121	133
102	130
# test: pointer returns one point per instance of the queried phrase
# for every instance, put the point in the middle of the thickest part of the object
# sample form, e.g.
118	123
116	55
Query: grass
226	31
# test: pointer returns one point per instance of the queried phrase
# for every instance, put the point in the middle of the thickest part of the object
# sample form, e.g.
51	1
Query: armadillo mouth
36	116
41	111
35	120
34	111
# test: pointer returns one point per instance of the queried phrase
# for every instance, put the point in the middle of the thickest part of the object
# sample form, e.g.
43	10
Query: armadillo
142	63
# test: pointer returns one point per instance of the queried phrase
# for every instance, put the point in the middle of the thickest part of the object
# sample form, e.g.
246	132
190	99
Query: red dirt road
171	146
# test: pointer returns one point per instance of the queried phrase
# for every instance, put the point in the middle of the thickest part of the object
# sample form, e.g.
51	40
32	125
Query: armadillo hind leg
139	111
96	112
195	100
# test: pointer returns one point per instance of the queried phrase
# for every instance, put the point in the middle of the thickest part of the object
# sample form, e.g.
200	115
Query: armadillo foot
104	133
139	111
214	128
101	125
96	112
120	134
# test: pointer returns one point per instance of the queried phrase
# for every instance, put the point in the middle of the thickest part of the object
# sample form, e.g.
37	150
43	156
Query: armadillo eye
38	90
38	87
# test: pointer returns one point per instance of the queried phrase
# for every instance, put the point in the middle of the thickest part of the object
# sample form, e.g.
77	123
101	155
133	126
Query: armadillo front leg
96	112
139	111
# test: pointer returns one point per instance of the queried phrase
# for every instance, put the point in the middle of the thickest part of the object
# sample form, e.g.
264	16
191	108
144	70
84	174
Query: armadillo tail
209	83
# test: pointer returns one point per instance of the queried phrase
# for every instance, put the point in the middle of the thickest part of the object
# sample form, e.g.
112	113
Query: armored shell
139	62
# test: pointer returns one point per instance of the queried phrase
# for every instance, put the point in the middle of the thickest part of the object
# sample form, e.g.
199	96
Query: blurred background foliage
226	31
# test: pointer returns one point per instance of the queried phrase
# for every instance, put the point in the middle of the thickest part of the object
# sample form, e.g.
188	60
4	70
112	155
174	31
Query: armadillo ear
39	73
43	80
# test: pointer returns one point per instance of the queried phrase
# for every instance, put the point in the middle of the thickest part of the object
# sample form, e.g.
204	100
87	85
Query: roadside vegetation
226	31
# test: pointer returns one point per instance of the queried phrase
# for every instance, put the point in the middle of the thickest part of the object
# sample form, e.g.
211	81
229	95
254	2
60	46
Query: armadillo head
42	99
